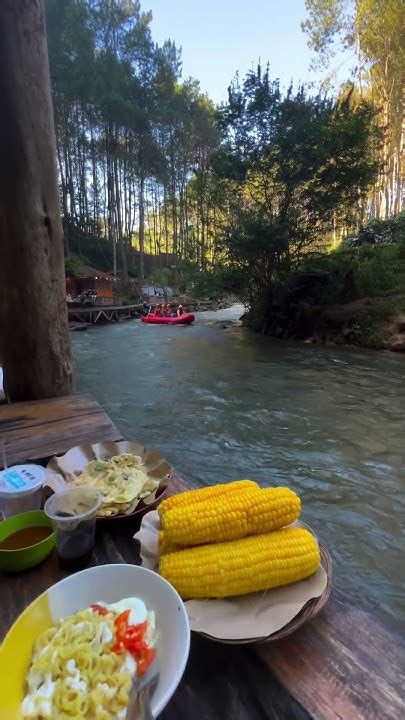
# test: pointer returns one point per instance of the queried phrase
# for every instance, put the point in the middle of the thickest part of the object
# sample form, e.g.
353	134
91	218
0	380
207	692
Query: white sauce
137	607
103	635
40	701
75	682
129	664
151	634
107	691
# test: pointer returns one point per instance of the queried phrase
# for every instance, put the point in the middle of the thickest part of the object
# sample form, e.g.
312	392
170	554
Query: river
223	404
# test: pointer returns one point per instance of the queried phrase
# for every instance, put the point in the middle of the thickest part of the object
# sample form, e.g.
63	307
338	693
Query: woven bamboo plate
65	468
308	612
257	618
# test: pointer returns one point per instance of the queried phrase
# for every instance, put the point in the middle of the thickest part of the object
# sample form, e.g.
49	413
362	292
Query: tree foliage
292	164
130	133
147	162
374	31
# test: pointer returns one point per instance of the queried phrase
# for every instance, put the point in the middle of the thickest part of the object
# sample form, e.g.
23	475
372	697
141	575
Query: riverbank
207	305
370	322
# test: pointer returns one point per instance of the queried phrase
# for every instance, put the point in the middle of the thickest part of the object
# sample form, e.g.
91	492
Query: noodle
75	673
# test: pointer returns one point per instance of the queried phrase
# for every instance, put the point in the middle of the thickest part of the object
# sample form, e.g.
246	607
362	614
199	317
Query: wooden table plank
224	682
38	412
40	429
344	664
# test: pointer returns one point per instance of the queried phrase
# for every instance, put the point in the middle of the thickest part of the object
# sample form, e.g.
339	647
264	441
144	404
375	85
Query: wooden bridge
95	315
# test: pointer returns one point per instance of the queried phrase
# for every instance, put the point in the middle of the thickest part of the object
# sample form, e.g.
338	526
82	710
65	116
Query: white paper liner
247	618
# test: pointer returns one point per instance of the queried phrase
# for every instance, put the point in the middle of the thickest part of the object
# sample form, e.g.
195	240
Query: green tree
292	163
374	31
133	140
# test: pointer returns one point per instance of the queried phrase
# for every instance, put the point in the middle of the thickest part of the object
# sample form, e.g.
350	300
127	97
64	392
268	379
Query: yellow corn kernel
189	497
247	511
253	564
164	545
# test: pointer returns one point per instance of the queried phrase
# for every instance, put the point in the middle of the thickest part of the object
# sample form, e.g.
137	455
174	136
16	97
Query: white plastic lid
21	480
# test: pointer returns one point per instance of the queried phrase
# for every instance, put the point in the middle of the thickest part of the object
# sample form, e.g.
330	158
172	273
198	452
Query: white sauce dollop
40	701
137	607
75	682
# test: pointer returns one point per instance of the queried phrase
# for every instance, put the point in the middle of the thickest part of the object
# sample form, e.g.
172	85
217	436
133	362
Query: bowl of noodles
132	478
75	651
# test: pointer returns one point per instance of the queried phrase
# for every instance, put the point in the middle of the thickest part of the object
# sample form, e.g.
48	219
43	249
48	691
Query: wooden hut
90	278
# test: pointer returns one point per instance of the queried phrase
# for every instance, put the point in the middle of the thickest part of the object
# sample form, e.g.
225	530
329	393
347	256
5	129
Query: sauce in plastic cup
21	489
73	515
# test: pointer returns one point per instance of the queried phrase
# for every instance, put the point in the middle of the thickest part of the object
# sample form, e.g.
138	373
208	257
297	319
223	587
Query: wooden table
341	666
43	428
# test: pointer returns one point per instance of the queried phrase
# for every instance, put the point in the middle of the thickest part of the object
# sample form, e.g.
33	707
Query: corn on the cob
246	511
243	566
165	546
190	497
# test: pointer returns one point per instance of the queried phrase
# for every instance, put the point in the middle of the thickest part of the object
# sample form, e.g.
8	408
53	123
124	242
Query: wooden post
34	336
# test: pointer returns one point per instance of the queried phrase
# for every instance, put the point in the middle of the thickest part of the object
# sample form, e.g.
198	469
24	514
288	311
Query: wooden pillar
34	336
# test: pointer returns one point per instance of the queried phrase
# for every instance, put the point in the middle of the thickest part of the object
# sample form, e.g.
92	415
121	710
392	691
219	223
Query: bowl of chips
132	478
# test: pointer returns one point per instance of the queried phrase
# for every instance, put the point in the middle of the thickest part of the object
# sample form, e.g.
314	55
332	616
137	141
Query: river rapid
224	403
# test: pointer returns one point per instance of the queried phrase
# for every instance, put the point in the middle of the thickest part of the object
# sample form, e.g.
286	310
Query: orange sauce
25	537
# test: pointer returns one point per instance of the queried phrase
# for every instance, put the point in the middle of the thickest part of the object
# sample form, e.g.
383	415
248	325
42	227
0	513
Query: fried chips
123	481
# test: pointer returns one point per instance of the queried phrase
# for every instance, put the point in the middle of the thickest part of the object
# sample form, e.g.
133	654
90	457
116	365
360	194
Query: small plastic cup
73	515
21	489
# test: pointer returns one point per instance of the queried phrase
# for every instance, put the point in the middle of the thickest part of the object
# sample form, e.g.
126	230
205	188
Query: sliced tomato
122	618
120	632
136	632
121	625
145	660
135	647
99	609
118	648
130	637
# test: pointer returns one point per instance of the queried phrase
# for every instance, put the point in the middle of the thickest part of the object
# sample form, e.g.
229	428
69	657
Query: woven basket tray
272	616
308	612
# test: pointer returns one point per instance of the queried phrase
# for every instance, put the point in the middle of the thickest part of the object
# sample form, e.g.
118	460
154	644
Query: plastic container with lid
73	515
21	489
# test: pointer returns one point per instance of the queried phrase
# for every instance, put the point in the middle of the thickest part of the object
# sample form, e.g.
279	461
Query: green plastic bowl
16	560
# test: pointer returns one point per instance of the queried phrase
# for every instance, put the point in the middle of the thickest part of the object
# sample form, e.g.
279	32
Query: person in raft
169	311
158	310
180	311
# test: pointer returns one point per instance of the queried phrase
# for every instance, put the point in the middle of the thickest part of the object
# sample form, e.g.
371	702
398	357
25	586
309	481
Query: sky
218	37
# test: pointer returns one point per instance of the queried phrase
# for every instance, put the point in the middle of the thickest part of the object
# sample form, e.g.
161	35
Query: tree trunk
35	344
121	245
141	223
166	225
65	218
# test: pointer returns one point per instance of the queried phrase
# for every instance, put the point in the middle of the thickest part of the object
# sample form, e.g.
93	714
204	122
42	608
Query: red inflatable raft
185	319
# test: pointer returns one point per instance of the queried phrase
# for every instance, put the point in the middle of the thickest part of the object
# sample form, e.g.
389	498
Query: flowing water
223	404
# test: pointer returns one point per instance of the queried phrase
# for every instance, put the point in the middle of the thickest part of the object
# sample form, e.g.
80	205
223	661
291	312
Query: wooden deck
40	429
103	314
344	665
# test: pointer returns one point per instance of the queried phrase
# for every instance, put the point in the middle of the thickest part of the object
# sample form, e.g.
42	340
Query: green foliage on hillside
73	265
350	273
